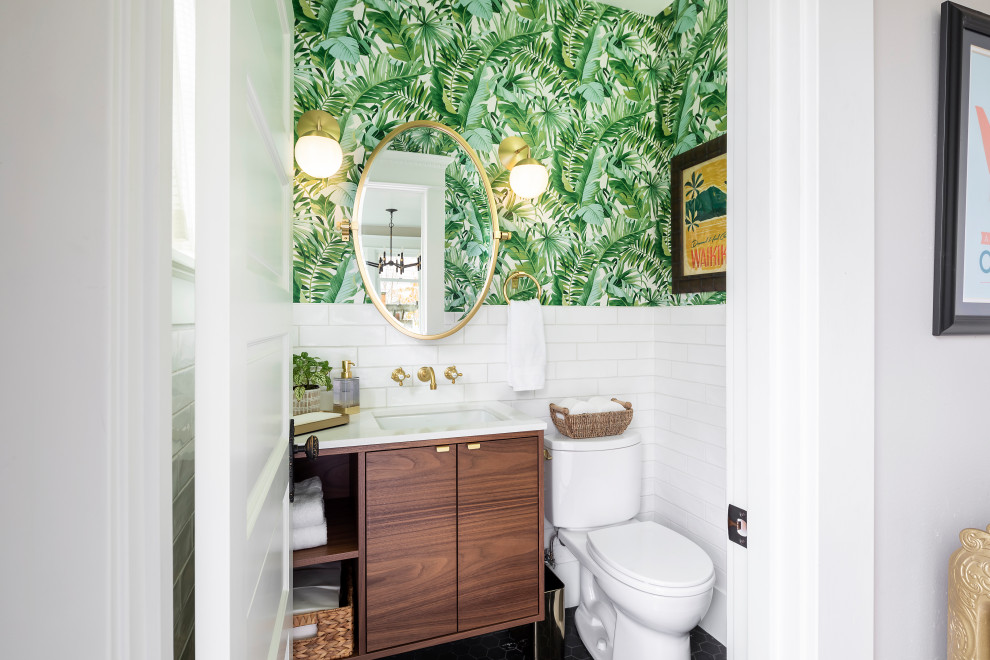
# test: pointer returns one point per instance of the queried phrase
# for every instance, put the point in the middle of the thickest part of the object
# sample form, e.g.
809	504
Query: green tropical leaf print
480	8
605	98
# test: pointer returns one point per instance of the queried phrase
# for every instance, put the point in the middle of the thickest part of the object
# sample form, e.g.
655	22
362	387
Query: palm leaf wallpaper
605	97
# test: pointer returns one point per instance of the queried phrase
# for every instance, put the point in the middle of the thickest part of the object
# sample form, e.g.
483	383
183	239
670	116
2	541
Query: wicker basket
591	425
334	630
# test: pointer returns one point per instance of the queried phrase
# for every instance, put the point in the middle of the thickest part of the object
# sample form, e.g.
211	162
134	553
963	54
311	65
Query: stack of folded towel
309	520
596	404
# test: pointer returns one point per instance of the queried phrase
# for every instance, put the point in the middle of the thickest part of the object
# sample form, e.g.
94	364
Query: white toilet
644	587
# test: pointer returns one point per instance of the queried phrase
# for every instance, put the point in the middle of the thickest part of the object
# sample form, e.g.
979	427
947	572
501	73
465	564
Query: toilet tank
594	481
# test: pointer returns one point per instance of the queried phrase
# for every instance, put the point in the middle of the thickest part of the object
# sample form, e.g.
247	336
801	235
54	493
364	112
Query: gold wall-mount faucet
426	374
452	374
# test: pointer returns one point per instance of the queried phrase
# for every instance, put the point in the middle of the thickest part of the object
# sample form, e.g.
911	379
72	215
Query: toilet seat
652	558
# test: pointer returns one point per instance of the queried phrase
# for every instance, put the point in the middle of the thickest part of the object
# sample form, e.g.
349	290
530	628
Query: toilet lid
645	553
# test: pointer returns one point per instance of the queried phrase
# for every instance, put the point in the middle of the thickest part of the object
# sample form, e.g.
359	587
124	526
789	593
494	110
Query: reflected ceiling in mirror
425	230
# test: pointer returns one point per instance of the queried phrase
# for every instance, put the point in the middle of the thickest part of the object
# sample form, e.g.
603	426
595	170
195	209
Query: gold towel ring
515	275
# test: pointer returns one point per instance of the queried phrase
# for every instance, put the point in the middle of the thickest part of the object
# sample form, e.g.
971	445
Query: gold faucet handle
452	374
399	375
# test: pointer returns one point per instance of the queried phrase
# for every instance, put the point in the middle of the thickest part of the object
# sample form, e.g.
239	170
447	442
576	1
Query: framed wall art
962	223
698	217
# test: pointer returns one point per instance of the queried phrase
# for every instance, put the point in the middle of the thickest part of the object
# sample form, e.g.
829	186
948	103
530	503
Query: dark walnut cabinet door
499	540
411	531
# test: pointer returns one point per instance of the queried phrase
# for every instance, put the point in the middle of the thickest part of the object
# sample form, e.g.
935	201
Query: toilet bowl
644	587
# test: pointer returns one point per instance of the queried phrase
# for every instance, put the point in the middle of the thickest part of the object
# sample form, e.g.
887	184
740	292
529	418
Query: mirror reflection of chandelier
388	265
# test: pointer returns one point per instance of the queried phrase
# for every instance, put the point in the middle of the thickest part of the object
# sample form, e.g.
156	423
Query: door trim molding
801	328
139	410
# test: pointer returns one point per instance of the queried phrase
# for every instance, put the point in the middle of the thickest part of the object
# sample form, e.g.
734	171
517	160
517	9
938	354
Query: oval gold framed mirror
425	229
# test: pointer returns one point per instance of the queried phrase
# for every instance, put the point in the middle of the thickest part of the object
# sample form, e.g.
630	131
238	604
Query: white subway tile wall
668	361
183	409
689	478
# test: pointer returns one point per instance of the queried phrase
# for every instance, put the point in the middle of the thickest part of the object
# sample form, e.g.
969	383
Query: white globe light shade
529	178
319	156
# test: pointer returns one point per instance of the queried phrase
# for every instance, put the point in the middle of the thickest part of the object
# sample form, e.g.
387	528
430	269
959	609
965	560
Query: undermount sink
440	419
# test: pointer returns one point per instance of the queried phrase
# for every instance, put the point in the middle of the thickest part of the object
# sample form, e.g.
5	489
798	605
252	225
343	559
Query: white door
243	316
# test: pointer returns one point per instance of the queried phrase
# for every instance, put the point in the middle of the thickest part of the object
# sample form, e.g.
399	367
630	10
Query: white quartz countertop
431	422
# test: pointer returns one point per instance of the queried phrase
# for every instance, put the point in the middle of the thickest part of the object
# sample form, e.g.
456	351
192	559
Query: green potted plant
308	376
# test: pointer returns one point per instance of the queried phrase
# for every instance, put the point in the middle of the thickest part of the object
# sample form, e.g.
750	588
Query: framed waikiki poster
698	217
962	221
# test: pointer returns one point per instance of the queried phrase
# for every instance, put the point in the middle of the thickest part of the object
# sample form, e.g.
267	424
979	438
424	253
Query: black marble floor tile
517	644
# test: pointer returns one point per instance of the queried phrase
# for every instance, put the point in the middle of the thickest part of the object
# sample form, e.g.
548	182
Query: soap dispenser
346	390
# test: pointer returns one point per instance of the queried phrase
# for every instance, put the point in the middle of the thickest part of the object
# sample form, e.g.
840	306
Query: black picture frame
681	283
961	30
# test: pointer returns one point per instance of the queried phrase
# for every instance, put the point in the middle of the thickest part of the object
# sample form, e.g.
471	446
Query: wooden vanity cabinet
411	540
499	551
453	539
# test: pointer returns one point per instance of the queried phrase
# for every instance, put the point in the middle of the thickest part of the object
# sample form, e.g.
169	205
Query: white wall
931	393
55	293
668	361
590	351
690	479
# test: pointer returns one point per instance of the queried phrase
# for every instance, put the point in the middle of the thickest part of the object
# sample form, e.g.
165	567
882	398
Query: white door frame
800	343
800	328
139	415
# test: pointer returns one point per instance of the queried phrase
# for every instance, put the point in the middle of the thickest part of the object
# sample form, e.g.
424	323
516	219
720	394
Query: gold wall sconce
528	177
318	151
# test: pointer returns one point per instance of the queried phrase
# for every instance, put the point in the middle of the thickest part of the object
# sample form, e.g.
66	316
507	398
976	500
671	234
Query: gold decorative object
354	226
426	374
452	374
969	597
399	375
345	230
515	275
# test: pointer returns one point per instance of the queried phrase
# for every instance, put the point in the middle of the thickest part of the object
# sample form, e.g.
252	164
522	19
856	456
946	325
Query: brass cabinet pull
443	448
546	454
474	445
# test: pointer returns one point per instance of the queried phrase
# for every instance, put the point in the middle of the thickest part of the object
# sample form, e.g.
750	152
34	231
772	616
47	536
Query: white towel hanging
526	345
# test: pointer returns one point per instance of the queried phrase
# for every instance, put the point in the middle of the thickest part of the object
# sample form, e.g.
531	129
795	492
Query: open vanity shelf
446	536
342	535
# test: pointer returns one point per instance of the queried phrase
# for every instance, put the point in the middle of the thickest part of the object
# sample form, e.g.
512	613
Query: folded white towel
304	632
309	537
311	485
526	345
604	404
307	509
579	407
314	599
596	404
